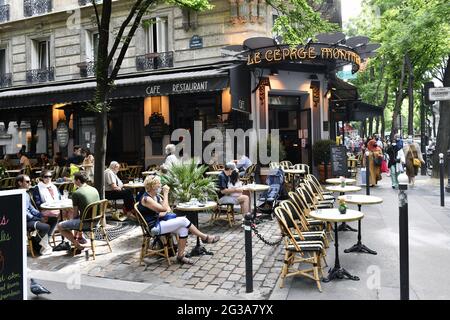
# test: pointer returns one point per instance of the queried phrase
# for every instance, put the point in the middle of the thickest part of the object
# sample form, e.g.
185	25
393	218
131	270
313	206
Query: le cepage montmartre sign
300	53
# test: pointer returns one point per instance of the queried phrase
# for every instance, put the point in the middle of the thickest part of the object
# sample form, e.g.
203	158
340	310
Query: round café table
192	211
149	173
342	190
213	173
333	215
252	187
360	199
338	181
58	205
294	172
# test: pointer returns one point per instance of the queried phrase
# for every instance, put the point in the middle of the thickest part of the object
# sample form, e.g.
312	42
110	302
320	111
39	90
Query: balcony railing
4	13
157	60
86	2
5	80
41	75
35	7
87	69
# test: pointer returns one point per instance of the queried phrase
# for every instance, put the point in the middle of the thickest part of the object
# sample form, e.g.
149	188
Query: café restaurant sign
187	86
284	53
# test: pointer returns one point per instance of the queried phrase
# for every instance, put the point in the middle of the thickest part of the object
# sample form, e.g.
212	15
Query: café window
156	34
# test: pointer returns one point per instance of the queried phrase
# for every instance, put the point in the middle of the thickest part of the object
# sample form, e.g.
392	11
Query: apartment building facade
175	67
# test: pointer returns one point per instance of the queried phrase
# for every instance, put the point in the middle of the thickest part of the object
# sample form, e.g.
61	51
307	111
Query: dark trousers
126	195
41	227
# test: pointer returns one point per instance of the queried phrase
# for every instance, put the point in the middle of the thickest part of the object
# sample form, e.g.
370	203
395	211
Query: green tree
121	42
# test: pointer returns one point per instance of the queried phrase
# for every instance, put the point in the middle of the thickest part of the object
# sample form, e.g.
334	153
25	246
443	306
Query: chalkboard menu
339	161
62	134
12	245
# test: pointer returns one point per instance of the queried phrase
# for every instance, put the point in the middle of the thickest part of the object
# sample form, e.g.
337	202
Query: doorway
287	115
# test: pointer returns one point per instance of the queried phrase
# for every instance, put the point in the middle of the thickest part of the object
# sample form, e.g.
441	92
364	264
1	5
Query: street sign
196	42
439	94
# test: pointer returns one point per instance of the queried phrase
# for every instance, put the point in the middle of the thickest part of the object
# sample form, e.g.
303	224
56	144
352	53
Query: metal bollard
367	174
447	188
248	253
403	236
441	177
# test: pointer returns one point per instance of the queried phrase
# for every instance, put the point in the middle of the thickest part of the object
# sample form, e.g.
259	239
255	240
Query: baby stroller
269	199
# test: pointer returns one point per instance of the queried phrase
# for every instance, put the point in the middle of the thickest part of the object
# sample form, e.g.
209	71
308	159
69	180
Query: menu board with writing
12	245
339	161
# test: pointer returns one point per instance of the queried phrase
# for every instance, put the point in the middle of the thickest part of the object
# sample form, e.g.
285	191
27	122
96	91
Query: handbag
416	162
377	160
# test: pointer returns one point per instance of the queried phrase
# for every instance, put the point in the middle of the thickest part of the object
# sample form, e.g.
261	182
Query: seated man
114	189
229	194
34	216
81	198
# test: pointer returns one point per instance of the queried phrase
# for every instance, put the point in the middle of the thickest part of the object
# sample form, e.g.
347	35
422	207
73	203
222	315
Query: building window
4	11
5	77
92	39
35	7
157	35
41	69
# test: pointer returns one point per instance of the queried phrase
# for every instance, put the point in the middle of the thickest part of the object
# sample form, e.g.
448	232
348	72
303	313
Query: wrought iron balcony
5	80
35	7
86	2
156	60
4	13
87	69
40	75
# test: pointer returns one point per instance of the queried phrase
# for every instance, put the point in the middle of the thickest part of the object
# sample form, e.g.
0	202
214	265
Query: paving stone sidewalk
222	273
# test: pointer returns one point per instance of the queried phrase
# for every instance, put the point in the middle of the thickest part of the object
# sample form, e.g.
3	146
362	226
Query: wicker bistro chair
298	252
317	192
249	175
92	219
7	183
226	209
313	179
149	242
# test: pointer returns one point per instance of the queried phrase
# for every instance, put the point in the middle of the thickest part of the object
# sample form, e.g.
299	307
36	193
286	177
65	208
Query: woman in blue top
155	208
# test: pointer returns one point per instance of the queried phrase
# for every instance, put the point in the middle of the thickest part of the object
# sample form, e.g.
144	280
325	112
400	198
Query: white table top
255	187
190	207
13	171
294	171
57	205
338	188
146	173
213	173
338	181
59	183
133	185
361	199
333	215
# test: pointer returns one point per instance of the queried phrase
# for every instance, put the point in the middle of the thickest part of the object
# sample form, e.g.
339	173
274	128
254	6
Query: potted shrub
322	157
186	181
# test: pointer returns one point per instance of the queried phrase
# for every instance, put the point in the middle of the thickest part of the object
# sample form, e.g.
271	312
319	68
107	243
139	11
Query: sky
350	8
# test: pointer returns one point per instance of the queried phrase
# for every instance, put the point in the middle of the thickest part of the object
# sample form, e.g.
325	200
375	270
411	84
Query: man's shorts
228	200
74	224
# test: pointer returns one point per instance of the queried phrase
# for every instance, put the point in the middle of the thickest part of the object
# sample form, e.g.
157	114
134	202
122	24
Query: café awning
138	86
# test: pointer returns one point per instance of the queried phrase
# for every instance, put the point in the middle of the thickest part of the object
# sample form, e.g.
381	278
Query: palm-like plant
186	181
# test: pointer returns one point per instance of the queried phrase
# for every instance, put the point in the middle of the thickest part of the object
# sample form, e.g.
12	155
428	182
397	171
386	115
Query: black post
367	174
441	177
423	168
403	234
248	254
447	188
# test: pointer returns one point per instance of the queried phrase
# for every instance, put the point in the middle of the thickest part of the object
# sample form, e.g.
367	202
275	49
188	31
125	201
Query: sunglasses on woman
47	176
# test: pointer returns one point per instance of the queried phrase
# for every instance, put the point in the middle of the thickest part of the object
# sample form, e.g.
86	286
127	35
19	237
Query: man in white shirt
114	188
171	158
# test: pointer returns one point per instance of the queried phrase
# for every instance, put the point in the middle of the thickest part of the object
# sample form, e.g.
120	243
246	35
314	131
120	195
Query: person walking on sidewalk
157	212
414	160
396	162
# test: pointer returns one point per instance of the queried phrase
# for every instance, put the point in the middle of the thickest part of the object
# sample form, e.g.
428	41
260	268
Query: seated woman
153	207
114	189
235	183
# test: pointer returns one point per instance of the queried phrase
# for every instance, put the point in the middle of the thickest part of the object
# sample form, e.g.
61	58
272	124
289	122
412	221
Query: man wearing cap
225	190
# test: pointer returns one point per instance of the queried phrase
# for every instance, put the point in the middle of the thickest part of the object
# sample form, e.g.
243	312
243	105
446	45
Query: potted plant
187	181
322	157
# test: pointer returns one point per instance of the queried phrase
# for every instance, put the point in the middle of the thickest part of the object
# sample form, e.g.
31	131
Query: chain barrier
260	237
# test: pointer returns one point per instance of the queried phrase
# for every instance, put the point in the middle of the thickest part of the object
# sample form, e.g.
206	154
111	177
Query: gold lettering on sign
277	55
312	53
269	55
326	53
293	53
286	52
257	57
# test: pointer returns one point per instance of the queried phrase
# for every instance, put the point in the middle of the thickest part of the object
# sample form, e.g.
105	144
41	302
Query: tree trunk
411	97
398	101
385	100
377	125
370	126
443	134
